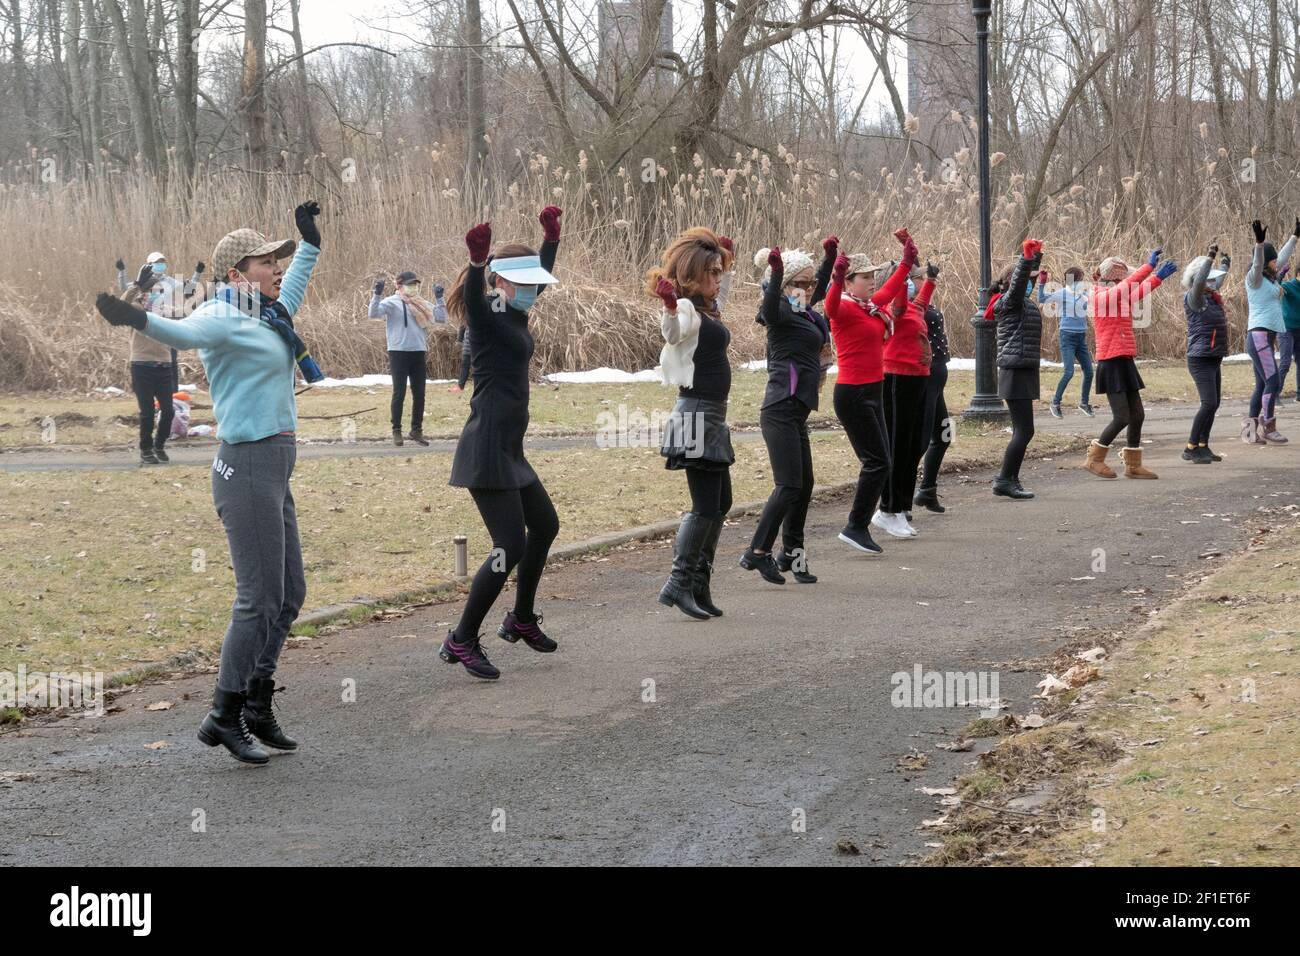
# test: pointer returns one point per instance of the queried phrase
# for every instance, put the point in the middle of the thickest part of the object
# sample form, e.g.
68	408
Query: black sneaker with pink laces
512	629
471	655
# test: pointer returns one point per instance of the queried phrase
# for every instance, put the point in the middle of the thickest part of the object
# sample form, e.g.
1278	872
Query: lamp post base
986	408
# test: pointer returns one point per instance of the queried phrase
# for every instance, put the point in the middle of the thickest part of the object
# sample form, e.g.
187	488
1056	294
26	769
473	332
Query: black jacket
1020	323
938	334
794	341
1207	327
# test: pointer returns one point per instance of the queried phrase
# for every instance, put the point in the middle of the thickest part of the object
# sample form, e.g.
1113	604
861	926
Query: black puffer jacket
1020	323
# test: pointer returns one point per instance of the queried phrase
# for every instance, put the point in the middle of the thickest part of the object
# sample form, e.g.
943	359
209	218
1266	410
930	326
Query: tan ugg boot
1096	461
1132	458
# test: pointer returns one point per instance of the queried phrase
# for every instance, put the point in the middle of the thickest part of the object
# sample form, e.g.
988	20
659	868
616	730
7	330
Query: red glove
774	260
841	269
726	243
1031	248
550	220
668	292
902	235
831	245
1042	277
910	253
479	242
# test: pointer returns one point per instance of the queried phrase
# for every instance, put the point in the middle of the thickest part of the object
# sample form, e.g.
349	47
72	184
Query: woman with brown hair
689	281
489	458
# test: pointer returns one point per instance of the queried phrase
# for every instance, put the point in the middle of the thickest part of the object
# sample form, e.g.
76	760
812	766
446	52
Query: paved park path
780	708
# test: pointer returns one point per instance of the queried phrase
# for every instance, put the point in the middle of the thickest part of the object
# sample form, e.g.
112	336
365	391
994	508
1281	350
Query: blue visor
522	270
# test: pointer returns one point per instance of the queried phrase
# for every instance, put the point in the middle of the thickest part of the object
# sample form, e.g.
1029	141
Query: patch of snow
606	376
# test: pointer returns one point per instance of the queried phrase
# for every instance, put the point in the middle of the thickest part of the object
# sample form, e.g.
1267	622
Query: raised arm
123	283
474	292
377	310
889	291
830	249
550	220
836	291
1031	251
293	287
1284	254
1196	294
770	309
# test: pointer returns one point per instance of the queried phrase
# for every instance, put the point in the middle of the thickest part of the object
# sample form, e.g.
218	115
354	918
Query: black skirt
696	435
1117	375
1018	383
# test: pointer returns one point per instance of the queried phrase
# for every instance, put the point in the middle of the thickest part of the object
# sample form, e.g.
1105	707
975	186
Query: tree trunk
129	42
253	89
77	99
308	142
475	120
187	39
94	79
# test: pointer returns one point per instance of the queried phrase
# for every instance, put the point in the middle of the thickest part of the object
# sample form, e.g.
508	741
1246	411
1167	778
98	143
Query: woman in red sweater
907	366
1116	292
860	323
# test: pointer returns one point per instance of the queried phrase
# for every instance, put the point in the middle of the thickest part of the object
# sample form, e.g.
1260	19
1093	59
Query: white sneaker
907	525
891	524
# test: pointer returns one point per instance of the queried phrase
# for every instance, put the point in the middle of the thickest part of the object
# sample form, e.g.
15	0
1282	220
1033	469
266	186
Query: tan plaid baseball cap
860	262
243	243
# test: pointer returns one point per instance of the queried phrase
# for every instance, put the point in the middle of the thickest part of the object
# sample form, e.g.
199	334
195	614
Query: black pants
860	409
522	524
1022	433
464	369
150	382
1207	373
404	365
785	432
710	491
904	396
936	426
1126	412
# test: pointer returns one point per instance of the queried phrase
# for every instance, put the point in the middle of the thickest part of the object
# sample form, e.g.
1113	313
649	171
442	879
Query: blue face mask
911	289
796	300
1029	289
524	297
160	267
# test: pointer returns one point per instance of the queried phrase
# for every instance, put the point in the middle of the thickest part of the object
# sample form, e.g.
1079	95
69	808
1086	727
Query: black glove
120	265
1213	250
438	290
1259	230
379	287
305	216
117	312
146	277
1297	227
1224	262
198	269
931	270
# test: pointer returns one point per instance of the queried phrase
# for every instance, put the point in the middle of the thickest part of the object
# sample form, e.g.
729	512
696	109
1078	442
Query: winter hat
408	278
155	257
1270	252
1113	269
244	243
1193	267
792	260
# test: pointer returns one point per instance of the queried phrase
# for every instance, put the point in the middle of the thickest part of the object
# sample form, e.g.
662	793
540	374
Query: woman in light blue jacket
248	347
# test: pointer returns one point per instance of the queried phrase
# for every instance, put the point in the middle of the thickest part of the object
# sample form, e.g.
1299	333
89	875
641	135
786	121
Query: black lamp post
985	404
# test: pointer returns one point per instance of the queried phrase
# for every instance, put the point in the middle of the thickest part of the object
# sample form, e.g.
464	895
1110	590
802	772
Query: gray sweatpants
250	487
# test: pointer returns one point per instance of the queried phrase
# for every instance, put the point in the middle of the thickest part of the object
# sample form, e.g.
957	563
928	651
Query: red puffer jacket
1111	308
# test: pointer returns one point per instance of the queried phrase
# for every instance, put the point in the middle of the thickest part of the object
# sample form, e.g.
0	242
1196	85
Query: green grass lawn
104	570
99	421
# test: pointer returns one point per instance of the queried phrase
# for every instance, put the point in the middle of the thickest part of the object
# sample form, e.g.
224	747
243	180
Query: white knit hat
793	261
1193	267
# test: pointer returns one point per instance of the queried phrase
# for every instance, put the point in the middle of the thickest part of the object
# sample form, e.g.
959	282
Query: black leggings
861	410
904	397
1022	433
936	426
1126	412
408	365
1207	373
710	491
150	382
463	377
785	432
522	523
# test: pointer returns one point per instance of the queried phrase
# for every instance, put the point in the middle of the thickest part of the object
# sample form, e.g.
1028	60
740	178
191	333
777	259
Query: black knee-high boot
704	569
679	591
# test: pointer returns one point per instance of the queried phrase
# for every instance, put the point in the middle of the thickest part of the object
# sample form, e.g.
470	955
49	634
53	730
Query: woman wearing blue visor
491	297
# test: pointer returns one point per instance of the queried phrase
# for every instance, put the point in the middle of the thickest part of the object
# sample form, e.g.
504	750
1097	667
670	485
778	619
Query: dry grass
101	574
405	214
1188	753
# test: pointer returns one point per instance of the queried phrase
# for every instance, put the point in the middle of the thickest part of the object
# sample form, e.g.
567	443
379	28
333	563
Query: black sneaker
1189	453
397	437
513	629
763	564
417	436
799	569
471	655
1055	409
147	457
1201	456
1087	410
860	538
160	454
1214	456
